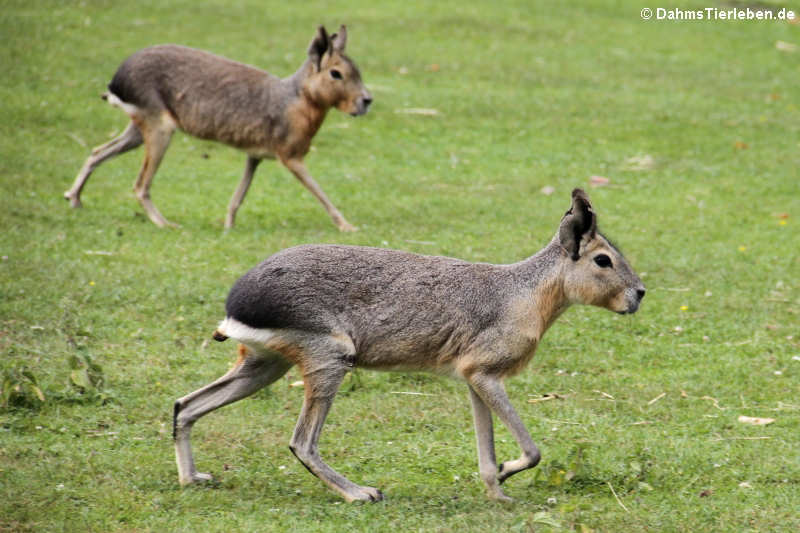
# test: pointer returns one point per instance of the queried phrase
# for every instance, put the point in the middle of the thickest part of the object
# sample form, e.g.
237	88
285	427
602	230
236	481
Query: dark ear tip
579	192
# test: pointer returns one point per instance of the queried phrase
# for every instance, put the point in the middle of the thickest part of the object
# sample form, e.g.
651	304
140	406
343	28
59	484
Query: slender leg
491	391
241	190
127	140
157	135
248	376
321	386
297	168
487	463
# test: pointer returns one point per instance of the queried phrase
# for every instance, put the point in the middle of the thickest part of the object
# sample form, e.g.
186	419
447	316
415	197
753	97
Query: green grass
528	96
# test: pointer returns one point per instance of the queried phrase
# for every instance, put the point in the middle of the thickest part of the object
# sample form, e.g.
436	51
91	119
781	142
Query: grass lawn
696	125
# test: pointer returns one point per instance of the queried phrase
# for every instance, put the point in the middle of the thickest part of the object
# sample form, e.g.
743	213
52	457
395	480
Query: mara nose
367	100
640	294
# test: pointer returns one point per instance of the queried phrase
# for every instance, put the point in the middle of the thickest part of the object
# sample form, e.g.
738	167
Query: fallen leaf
745	485
599	181
783	46
756	421
739	145
433	67
706	493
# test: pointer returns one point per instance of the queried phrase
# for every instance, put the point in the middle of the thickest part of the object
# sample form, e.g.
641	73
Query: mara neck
539	281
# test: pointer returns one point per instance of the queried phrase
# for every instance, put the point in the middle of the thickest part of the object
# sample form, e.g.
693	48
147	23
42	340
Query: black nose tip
367	101
640	293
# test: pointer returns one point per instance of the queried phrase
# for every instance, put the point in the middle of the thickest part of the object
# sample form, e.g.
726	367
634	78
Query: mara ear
339	39
319	45
578	223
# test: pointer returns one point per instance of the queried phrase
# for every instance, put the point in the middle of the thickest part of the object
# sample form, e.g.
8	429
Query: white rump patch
114	100
245	334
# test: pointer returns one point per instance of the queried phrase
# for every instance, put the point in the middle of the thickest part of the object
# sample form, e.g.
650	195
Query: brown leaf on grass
706	493
598	181
755	421
739	145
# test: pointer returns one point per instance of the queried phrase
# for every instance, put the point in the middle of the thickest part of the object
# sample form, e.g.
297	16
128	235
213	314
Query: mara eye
335	74
603	261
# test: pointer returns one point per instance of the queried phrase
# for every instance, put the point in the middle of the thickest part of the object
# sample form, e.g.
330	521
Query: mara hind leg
128	140
321	387
324	366
157	132
252	372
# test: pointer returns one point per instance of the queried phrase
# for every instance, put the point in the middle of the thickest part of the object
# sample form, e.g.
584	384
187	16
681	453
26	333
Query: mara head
596	272
336	81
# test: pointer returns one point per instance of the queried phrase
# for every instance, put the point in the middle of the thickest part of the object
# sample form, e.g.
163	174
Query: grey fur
329	308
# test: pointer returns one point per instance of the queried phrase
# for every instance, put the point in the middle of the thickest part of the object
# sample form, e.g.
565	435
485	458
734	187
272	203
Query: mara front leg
484	434
298	168
241	190
490	391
